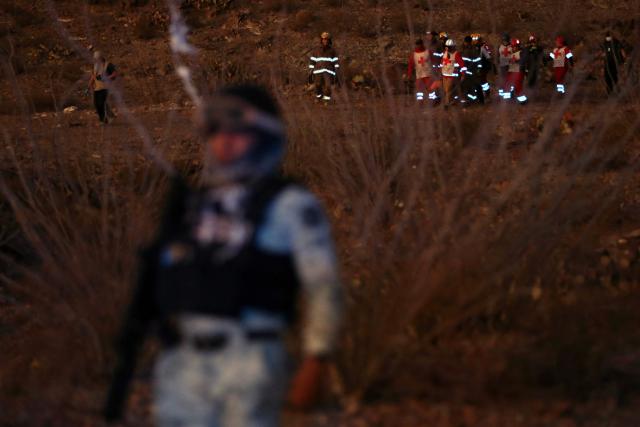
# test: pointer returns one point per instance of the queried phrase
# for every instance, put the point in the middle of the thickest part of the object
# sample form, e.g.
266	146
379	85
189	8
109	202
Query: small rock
70	109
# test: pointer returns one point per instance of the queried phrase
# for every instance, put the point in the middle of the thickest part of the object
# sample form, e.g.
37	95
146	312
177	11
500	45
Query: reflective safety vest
452	64
560	56
514	64
505	55
422	62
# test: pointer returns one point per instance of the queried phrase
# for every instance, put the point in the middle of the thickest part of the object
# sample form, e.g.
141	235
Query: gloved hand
307	382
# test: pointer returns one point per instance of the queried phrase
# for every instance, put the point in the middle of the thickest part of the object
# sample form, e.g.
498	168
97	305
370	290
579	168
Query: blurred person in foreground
102	75
221	281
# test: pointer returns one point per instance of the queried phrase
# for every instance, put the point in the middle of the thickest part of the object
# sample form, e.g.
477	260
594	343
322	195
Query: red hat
515	43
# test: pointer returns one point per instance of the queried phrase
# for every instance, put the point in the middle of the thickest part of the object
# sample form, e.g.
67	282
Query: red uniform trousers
515	80
559	74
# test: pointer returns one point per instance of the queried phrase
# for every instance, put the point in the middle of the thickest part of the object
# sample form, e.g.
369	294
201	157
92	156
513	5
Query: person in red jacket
453	70
420	60
562	58
516	73
504	57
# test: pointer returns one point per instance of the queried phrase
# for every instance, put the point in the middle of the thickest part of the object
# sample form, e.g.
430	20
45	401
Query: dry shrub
365	28
287	6
465	22
23	17
42	102
75	211
195	19
145	27
335	3
398	23
301	20
450	232
130	4
460	235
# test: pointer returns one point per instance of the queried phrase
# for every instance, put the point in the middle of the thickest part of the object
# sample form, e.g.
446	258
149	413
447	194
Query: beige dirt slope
538	352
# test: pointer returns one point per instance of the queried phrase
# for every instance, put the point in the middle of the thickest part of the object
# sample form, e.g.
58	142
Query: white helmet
450	43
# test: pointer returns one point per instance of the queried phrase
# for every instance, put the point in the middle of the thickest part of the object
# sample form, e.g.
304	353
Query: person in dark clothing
102	75
486	63
221	281
614	57
532	59
472	84
324	65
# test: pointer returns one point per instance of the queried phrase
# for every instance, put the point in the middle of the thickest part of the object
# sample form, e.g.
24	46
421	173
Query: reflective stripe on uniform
322	58
324	70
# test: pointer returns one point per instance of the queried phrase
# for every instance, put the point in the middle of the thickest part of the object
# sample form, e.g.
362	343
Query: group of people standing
462	75
444	72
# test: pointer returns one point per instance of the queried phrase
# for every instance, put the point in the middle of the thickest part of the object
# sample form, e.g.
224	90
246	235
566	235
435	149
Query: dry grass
285	6
145	28
301	20
469	244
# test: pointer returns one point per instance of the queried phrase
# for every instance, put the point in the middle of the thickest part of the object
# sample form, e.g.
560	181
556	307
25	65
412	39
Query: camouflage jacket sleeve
297	224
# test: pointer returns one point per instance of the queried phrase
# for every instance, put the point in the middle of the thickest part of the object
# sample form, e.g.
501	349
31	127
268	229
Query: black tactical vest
191	279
